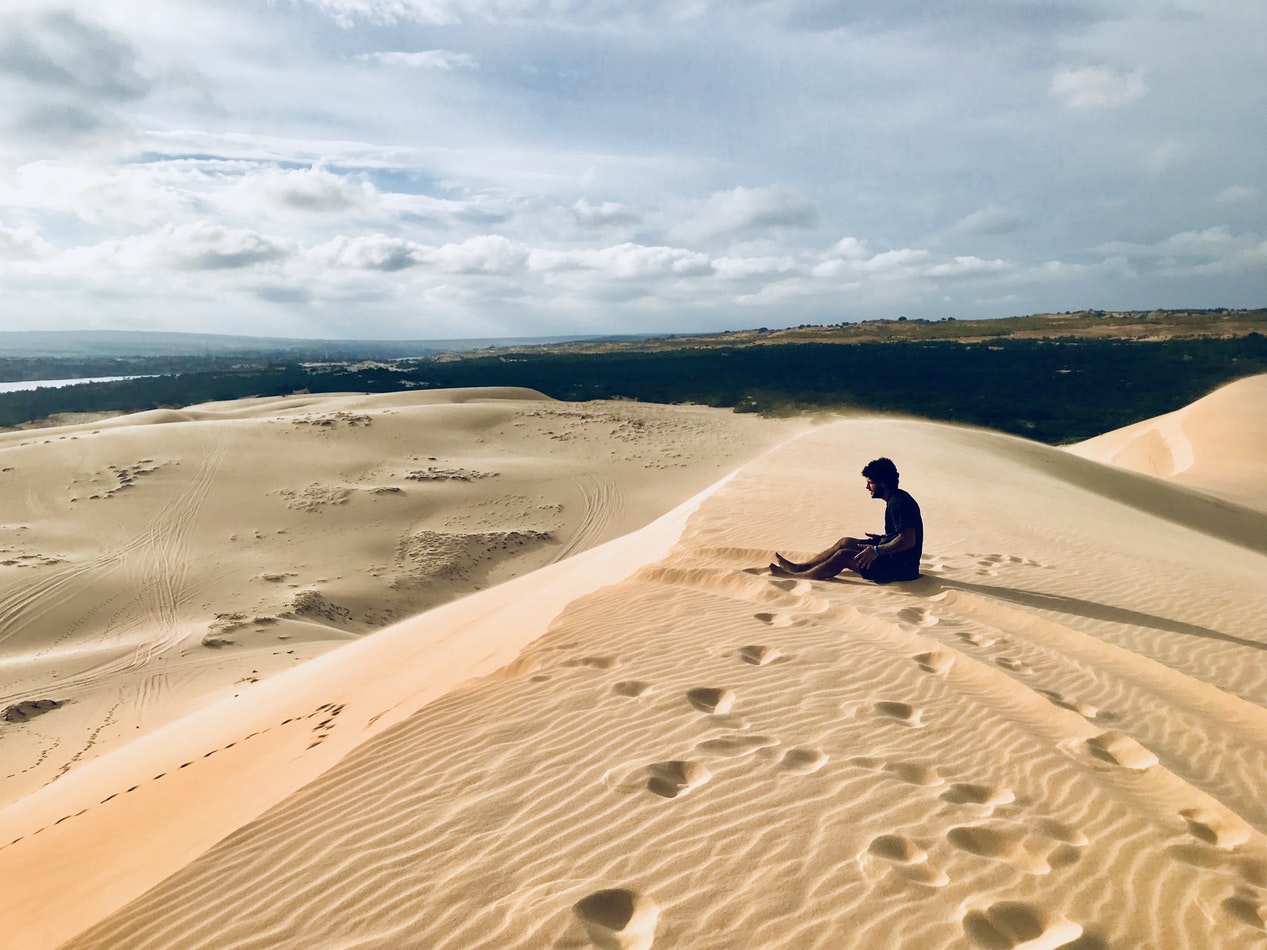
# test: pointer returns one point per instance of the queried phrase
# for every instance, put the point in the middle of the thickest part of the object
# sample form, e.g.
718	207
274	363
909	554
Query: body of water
57	383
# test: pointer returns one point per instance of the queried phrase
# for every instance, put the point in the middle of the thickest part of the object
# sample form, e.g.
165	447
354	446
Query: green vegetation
1052	390
1081	324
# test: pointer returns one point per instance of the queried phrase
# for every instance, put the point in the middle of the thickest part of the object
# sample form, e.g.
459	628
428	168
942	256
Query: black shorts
885	570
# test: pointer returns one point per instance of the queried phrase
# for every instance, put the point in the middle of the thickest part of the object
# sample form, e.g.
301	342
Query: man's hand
866	557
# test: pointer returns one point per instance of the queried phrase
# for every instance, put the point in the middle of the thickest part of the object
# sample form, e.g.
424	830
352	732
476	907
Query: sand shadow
927	587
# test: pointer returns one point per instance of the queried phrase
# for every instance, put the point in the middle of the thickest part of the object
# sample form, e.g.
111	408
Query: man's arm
903	541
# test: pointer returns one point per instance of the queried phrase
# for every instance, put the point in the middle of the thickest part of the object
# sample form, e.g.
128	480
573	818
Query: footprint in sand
994	560
907	859
734	746
937	662
775	620
798	588
1059	831
709	699
912	773
1016	666
1247	905
999	843
1212	828
904	713
919	616
1120	749
803	761
1252	870
976	638
986	797
1086	710
759	655
618	919
1198	855
595	662
630	688
674	779
1008	925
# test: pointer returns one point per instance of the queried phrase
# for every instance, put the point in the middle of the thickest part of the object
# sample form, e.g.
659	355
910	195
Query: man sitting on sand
893	556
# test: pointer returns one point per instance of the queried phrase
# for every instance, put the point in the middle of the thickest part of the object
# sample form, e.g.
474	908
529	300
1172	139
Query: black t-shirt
901	512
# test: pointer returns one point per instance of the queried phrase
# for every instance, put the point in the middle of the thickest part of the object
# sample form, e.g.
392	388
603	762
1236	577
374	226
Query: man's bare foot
779	571
786	564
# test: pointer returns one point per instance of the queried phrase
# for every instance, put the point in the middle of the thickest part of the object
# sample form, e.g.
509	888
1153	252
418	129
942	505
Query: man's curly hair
881	470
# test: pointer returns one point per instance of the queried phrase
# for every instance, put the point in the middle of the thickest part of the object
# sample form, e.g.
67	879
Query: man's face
873	487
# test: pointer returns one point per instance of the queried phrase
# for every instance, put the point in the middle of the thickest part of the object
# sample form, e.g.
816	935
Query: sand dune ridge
1055	738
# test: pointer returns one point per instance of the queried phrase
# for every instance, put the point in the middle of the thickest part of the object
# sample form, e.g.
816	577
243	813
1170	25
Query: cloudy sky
466	168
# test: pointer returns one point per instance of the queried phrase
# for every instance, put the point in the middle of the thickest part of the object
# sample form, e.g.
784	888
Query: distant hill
1083	324
1141	325
97	344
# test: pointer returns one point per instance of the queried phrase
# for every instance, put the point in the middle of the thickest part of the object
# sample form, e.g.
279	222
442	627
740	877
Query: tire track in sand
163	569
156	562
602	498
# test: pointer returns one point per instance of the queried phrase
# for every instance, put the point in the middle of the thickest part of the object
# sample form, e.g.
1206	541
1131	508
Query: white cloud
348	13
486	254
22	244
437	12
849	259
313	190
849	249
1238	195
1216	251
624	261
991	220
967	266
442	59
896	262
188	160
65	81
198	246
58	51
1162	158
743	268
742	211
95	193
369	252
604	215
1097	87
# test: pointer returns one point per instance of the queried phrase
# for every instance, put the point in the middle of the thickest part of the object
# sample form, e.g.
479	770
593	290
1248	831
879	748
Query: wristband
876	549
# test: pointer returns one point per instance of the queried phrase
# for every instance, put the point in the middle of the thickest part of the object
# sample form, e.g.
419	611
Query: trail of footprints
626	918
990	827
327	713
674	778
940	660
1048	845
989	564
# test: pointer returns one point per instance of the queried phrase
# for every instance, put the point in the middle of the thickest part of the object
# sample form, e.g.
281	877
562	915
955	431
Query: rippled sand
1055	738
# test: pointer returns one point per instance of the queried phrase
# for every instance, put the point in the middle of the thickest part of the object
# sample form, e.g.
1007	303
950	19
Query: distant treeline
1055	391
21	369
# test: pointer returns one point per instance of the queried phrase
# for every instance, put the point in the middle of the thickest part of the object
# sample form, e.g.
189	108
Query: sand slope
153	563
1056	738
1217	444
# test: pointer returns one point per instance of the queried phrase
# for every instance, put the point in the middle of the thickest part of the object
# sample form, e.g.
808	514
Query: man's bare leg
840	561
834	560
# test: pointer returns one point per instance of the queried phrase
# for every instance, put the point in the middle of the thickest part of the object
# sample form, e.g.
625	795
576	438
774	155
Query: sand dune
150	564
1217	444
1055	738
